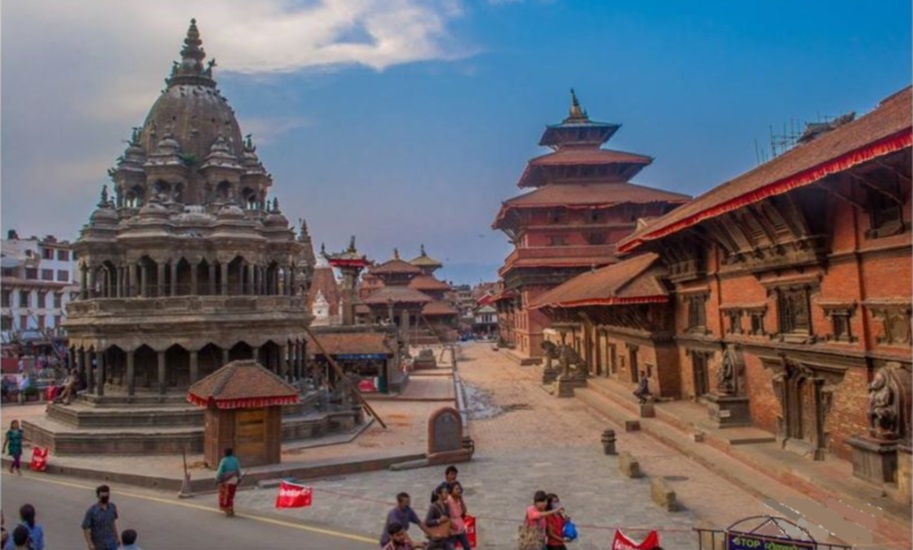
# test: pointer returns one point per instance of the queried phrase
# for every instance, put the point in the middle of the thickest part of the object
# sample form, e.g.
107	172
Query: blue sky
417	134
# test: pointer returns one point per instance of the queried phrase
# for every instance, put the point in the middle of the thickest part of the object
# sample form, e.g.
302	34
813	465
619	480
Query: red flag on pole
624	543
292	495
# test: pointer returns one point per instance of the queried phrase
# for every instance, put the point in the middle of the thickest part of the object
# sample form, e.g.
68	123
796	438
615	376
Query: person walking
12	443
36	533
457	507
228	476
100	522
23	385
438	522
128	538
402	514
554	525
399	540
21	539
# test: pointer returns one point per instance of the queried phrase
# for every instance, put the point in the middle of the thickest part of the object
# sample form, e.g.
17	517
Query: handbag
570	530
530	537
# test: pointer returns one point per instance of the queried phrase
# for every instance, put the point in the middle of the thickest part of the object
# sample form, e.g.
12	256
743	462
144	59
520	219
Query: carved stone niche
840	315
875	453
727	407
805	392
895	318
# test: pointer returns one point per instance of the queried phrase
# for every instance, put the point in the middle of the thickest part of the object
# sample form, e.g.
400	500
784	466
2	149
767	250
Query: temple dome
191	108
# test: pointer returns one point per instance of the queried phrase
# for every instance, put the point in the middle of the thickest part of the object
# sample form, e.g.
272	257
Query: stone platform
156	425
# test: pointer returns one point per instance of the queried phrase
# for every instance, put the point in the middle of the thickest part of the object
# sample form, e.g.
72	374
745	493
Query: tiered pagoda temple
187	267
582	202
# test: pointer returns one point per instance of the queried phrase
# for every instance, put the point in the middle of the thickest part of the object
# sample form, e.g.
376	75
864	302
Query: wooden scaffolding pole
361	399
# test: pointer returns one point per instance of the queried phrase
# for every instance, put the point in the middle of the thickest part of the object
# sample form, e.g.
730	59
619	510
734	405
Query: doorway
700	374
632	361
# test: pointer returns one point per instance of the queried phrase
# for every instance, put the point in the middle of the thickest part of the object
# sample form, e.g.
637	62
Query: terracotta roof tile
428	282
397	294
394	266
589	195
629	281
882	131
242	381
350	343
627	164
438	308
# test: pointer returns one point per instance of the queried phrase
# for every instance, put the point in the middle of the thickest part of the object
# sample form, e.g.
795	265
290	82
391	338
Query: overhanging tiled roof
350	343
883	131
588	195
242	384
397	295
629	282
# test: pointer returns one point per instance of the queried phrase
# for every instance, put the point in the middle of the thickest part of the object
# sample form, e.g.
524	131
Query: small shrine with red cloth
243	403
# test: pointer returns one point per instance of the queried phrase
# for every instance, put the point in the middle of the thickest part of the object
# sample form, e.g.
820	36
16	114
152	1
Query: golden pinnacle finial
395	253
576	112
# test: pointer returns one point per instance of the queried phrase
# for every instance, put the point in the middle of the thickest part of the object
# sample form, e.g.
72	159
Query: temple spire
395	253
423	249
190	70
576	113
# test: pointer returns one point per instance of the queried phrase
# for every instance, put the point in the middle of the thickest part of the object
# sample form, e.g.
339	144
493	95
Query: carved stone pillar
143	279
162	384
174	279
194	272
131	373
224	281
90	283
131	290
100	374
252	279
255	353
283	361
242	269
194	366
224	357
90	376
212	279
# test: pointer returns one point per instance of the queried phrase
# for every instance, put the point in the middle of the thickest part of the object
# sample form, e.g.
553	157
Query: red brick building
581	204
784	290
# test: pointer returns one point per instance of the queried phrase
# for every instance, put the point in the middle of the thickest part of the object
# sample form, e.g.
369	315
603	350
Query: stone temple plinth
187	266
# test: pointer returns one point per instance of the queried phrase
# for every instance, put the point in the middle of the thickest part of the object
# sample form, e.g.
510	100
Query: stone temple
187	266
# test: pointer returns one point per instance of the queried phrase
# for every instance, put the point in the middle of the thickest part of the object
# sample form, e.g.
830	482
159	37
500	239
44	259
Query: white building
37	282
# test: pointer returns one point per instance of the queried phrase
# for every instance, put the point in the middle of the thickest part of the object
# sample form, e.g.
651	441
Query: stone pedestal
874	460
565	387
549	375
904	474
728	411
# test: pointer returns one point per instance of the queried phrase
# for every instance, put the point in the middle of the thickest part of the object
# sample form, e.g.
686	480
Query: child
13	442
128	538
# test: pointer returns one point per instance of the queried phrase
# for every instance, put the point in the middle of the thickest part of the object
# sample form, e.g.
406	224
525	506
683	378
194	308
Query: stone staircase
147	424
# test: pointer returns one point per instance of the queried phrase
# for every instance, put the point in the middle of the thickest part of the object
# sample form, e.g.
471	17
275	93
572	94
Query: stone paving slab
498	488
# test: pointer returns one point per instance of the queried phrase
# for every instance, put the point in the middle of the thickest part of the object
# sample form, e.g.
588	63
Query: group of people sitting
444	524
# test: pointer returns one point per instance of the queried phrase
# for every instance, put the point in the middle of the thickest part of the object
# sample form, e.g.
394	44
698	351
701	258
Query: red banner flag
624	543
470	522
292	495
39	461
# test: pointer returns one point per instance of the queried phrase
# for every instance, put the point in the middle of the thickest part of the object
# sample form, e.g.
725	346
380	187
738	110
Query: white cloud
77	75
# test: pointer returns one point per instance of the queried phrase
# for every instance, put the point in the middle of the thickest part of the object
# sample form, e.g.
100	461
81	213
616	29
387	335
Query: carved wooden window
58	300
757	322
896	321
25	298
735	321
697	312
6	323
6	301
557	215
793	305
42	299
841	321
886	215
557	240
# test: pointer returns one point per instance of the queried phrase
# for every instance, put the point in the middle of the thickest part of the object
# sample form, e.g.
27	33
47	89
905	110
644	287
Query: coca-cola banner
39	461
292	495
622	542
